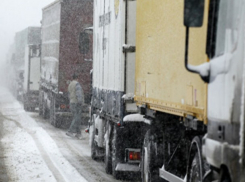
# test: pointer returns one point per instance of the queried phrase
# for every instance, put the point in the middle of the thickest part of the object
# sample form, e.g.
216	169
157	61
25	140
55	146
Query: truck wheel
224	175
94	147
196	166
53	119
149	169
40	110
107	158
25	107
32	109
45	111
40	105
114	154
195	173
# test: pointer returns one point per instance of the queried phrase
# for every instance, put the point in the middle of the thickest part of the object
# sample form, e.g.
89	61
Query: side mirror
84	42
193	17
193	13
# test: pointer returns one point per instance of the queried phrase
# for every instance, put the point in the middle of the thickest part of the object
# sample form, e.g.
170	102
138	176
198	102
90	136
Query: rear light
87	130
133	155
118	124
62	106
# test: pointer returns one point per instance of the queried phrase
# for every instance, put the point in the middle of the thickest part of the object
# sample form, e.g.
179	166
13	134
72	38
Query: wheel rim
145	166
195	173
93	151
114	155
107	159
107	151
107	145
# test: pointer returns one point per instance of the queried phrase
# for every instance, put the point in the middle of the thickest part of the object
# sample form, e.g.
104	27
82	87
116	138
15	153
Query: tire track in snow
47	160
92	170
43	153
60	167
86	166
64	173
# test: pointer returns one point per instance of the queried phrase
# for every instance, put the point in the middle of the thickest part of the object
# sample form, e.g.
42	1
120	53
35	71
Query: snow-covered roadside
22	158
30	153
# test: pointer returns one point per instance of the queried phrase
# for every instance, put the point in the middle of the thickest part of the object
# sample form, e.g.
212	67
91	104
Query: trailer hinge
128	48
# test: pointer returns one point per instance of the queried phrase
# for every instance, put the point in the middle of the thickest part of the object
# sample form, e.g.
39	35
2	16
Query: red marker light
86	130
62	106
134	155
118	124
131	155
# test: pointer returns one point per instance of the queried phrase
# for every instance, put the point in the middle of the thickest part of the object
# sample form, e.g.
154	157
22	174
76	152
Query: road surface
33	150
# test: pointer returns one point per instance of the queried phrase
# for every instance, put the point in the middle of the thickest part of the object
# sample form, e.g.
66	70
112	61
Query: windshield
228	12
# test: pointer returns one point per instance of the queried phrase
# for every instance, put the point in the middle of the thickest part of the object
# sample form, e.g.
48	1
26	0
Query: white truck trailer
31	77
24	38
113	87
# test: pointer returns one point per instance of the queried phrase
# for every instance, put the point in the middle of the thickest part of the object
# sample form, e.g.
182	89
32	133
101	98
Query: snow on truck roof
51	4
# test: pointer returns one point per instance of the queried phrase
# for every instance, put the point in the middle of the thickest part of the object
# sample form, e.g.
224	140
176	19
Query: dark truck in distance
62	22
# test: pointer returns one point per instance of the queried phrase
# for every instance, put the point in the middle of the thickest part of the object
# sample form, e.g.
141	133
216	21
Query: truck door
34	69
225	71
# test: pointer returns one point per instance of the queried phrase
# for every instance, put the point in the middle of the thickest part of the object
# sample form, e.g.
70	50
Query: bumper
124	167
221	153
130	172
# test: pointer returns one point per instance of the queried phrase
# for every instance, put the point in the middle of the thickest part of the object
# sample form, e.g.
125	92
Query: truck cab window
221	28
227	34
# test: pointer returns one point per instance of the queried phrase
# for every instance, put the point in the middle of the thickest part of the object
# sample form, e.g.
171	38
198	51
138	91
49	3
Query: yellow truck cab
196	121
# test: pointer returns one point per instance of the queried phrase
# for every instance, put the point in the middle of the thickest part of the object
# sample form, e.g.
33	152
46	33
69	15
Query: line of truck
43	60
167	96
150	114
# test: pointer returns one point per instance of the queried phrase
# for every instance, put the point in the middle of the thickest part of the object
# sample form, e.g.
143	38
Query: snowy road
33	150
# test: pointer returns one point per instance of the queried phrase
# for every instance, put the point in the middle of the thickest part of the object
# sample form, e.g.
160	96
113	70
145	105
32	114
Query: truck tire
45	111
53	119
115	154
107	157
40	106
149	169
225	175
94	147
25	107
40	110
196	165
32	109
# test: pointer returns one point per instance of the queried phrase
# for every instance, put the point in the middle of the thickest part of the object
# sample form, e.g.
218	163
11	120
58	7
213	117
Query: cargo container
196	125
31	77
24	38
113	88
62	22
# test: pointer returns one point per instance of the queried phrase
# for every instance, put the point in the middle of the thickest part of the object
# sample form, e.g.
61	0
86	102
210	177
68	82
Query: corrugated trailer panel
109	37
162	82
130	59
61	58
113	69
50	43
76	15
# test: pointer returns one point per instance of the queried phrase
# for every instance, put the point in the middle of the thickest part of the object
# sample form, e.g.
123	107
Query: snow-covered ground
33	150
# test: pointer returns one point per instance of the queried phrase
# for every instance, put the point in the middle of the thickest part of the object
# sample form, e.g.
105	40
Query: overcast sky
16	15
